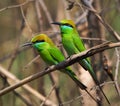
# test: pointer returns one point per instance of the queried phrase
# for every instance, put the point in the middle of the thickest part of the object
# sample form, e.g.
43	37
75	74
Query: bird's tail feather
97	83
104	94
74	78
92	73
81	85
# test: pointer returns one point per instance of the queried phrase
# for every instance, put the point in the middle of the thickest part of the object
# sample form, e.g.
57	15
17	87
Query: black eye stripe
39	41
68	25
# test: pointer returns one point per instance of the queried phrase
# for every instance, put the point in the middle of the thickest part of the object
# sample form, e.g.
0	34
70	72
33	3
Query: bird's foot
69	57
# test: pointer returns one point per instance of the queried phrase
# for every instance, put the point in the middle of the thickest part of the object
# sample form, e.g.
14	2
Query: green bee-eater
73	44
52	56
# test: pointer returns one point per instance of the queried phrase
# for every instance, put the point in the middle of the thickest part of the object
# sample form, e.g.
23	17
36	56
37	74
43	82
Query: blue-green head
66	26
40	42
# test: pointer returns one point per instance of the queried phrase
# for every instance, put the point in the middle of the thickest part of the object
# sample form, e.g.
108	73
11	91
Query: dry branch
106	25
26	87
16	6
79	97
48	15
116	71
27	23
71	60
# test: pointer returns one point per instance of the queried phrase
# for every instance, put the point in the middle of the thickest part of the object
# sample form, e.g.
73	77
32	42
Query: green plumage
73	44
52	55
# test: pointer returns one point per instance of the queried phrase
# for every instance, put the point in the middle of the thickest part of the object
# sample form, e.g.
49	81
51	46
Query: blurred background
20	20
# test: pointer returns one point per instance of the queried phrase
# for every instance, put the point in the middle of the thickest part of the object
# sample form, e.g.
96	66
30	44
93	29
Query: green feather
52	55
73	44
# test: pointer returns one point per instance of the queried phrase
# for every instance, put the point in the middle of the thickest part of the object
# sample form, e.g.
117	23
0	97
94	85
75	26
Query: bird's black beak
26	44
56	23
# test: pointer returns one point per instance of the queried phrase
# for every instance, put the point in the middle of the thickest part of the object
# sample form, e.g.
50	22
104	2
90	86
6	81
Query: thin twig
106	25
109	71
39	15
56	89
24	99
67	14
7	56
82	18
48	95
26	21
21	96
16	6
26	87
118	5
47	14
14	55
116	70
79	97
16	93
33	60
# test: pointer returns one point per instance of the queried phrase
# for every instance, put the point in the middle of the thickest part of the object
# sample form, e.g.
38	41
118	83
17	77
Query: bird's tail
87	66
72	75
97	83
103	94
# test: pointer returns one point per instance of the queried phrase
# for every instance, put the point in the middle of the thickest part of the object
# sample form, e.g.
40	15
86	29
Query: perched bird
73	44
52	56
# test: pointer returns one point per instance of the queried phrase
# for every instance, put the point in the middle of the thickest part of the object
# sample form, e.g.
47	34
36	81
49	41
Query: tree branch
12	79
89	6
16	6
71	60
116	71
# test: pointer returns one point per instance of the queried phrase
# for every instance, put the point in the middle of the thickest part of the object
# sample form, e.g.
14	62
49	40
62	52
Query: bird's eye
38	41
42	41
66	24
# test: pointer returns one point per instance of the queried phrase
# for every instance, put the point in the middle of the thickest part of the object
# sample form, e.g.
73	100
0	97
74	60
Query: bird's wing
56	54
79	44
69	45
46	56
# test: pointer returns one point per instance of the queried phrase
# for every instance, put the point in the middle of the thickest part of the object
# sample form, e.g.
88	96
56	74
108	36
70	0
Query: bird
73	44
51	55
